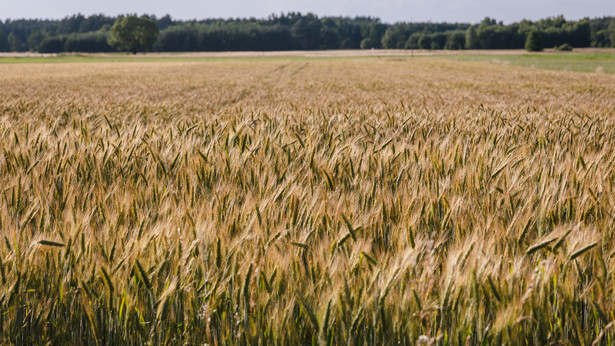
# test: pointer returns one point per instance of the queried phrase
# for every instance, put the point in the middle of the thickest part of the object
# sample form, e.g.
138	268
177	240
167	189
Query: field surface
369	200
594	60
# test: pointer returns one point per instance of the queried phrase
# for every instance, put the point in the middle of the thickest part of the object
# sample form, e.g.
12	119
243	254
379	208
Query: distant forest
296	31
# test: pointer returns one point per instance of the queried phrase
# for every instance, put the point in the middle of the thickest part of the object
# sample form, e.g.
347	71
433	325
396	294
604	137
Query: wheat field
306	201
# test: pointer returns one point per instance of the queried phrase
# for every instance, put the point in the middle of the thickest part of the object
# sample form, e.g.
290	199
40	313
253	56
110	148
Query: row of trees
294	31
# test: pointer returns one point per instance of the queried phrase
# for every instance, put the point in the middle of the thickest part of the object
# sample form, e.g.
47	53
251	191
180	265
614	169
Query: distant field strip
592	63
601	61
289	201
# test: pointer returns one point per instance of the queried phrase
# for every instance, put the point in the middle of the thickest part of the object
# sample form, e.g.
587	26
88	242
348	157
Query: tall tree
611	31
35	39
133	33
533	43
4	42
14	42
393	38
471	38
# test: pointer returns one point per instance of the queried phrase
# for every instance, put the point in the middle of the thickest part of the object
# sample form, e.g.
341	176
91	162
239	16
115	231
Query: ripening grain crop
305	201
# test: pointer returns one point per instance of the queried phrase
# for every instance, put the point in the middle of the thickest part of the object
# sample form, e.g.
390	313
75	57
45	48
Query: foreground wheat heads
358	201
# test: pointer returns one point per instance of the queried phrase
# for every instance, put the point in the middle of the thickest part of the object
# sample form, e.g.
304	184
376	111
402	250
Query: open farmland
360	201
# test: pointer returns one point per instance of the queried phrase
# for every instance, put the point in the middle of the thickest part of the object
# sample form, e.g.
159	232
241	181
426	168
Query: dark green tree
165	22
393	38
367	43
95	41
94	22
71	24
374	31
133	33
35	39
413	41
499	37
455	40
329	38
533	43
438	40
601	39
14	43
52	45
425	42
4	42
472	38
611	31
306	31
347	43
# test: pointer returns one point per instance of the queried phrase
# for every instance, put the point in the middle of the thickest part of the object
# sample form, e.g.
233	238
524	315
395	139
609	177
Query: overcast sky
389	11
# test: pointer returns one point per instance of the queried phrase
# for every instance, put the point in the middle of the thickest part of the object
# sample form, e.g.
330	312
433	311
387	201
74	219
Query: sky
389	11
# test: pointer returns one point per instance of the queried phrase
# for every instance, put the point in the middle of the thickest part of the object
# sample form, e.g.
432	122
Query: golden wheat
287	201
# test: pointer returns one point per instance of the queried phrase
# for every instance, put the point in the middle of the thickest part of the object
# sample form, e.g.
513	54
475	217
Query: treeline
296	31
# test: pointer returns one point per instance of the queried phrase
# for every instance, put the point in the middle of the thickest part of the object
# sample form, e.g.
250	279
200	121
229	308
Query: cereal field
306	201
